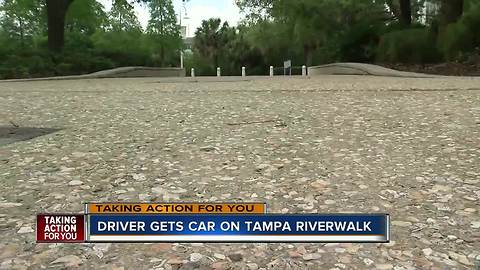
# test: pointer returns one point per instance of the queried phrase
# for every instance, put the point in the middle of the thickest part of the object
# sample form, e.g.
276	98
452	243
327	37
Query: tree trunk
22	35
215	58
405	12
162	48
56	12
451	11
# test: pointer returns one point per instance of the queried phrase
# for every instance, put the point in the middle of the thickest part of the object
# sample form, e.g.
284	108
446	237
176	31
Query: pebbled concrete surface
408	147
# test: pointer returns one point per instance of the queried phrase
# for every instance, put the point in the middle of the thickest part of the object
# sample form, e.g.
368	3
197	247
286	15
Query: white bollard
244	73
192	72
219	73
304	70
271	71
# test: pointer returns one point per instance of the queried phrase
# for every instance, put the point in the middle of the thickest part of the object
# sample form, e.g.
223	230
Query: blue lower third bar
239	228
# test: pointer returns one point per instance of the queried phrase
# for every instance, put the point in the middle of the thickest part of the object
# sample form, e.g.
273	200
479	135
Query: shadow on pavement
11	134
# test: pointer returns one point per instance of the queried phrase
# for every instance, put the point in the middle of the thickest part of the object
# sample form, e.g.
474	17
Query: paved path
408	147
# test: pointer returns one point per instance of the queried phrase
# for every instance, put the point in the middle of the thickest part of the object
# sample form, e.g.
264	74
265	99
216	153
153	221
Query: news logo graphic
54	228
207	222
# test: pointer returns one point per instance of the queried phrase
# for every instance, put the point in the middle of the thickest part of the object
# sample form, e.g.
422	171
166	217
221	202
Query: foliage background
309	32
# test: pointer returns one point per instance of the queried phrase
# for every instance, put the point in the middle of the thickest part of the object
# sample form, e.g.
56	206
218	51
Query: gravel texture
408	147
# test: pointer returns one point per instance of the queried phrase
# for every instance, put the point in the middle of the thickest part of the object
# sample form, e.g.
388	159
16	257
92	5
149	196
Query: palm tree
209	39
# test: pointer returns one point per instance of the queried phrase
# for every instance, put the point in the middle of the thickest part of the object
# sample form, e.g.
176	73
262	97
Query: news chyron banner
206	222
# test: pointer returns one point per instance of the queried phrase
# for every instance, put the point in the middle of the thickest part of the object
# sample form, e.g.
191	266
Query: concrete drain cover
11	134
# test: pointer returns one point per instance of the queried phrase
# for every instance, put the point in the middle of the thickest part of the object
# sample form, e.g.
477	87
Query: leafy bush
25	63
461	37
64	68
359	42
40	64
81	63
122	47
415	45
201	65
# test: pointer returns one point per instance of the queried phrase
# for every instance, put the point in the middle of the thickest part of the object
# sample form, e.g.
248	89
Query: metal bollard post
304	70
271	71
192	72
219	73
244	73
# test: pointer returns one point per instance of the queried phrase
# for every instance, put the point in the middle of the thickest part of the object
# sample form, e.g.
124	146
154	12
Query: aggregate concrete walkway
408	147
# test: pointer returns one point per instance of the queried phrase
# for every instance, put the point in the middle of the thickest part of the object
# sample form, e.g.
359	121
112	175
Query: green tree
122	17
359	28
239	52
210	39
312	22
256	10
86	17
21	20
273	40
163	30
122	40
216	44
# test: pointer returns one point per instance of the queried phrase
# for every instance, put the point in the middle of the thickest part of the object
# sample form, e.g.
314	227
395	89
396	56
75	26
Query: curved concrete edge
121	72
364	69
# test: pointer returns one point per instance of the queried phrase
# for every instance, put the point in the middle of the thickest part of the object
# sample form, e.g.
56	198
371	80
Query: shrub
462	37
415	45
202	66
123	48
64	69
358	43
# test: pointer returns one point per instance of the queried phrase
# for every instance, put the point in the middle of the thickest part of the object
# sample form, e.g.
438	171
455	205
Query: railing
273	71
